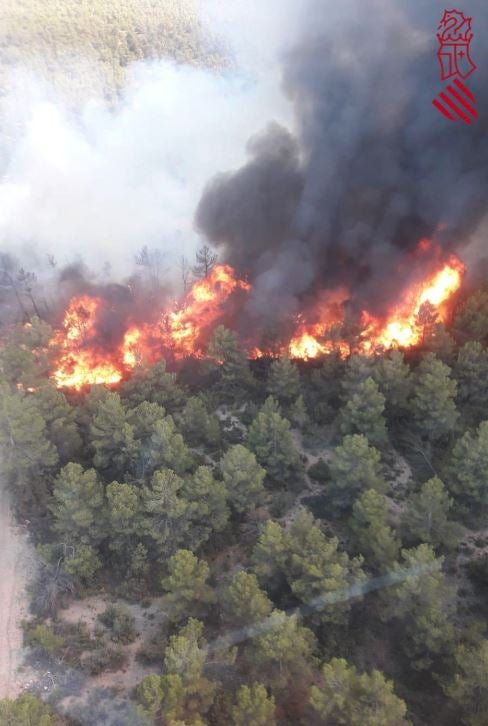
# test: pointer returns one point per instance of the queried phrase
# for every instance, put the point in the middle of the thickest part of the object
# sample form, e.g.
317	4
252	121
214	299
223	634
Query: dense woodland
84	47
313	534
316	531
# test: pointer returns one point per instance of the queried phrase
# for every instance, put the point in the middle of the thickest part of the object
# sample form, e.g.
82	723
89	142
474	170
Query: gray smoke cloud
371	168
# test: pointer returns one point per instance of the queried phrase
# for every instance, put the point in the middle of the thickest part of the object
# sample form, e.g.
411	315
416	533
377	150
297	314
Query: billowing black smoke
371	169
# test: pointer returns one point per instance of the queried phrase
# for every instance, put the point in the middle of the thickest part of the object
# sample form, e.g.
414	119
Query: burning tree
205	259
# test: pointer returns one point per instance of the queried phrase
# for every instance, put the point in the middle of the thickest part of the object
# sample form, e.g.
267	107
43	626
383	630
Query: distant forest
84	47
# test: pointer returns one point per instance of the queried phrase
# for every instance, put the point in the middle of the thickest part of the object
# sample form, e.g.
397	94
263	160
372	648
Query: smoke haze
322	160
371	170
99	183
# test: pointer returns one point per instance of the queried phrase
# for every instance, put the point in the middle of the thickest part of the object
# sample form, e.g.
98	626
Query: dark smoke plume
371	169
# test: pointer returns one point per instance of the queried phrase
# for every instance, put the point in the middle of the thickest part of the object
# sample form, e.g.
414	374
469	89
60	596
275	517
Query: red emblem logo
454	38
456	102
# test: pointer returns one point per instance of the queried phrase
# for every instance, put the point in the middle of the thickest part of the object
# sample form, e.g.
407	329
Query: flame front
403	327
184	330
83	360
314	340
79	363
203	306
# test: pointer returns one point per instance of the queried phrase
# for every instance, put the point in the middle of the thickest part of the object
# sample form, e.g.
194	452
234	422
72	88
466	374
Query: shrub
319	471
106	659
120	622
44	639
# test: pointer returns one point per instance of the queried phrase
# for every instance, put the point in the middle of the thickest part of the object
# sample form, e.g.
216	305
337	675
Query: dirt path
16	562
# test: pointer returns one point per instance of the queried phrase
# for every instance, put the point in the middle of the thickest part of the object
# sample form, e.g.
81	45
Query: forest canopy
312	534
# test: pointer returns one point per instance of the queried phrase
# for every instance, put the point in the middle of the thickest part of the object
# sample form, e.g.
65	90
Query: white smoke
99	183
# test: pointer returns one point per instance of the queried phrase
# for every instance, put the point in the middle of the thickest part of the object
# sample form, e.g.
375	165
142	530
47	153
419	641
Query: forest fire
202	309
404	325
184	331
79	363
83	355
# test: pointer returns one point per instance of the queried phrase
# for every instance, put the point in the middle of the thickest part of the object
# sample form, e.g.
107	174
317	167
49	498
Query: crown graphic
454	28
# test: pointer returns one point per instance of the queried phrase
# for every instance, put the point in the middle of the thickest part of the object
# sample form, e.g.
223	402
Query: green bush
43	638
27	710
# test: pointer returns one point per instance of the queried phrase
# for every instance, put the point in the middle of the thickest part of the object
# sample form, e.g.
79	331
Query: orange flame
180	332
79	365
403	327
185	330
203	306
310	340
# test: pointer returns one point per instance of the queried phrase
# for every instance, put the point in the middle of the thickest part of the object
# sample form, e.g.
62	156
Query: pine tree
298	413
165	512
469	472
471	373
205	259
254	707
243	478
270	439
426	517
283	380
186	653
156	441
472	316
440	343
112	437
27	710
166	448
243	600
354	466
149	695
394	380
207	506
235	374
469	686
26	450
123	510
143	418
138	567
26	358
186	691
60	418
19	365
268	555
353	699
198	426
82	562
316	571
426	319
420	600
372	534
186	582
357	371
432	406
285	647
78	506
155	385
363	413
